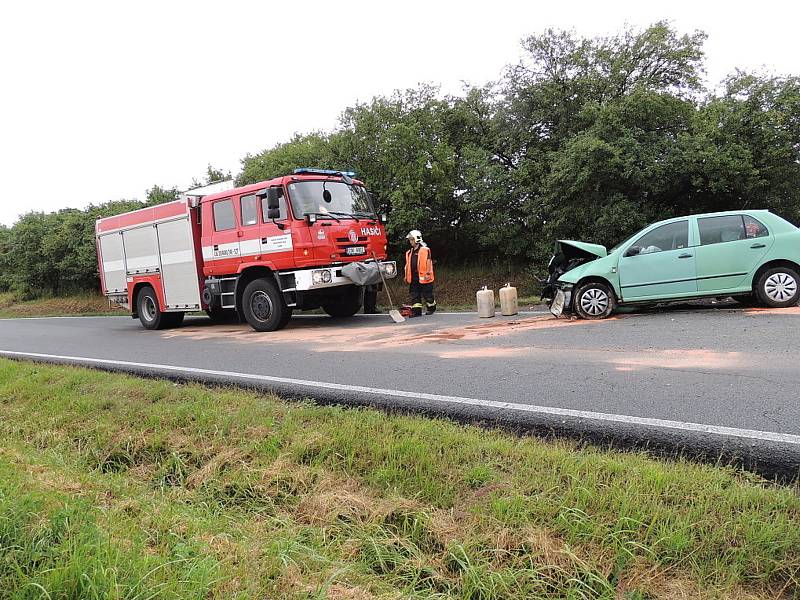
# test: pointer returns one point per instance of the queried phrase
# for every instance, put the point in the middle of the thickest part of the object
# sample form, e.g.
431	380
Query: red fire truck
261	250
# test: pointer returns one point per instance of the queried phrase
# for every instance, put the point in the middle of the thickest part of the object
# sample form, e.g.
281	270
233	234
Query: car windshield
626	238
307	198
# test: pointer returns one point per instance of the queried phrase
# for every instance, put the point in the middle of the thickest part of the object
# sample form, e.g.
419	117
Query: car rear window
754	228
717	230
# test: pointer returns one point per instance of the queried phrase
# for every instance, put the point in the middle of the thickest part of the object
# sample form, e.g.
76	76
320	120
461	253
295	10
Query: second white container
508	300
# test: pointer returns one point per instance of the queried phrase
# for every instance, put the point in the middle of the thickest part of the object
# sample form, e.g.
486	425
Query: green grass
76	305
117	487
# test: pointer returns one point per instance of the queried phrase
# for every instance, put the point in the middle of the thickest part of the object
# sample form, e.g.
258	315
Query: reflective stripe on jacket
424	265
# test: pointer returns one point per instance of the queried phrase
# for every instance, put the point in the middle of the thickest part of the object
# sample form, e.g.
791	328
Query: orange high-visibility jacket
424	265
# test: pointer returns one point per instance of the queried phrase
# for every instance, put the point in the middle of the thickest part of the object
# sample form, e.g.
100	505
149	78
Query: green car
752	255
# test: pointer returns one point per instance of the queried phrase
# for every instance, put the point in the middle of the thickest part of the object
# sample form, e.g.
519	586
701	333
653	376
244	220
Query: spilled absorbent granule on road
338	338
484	330
792	310
490	352
691	359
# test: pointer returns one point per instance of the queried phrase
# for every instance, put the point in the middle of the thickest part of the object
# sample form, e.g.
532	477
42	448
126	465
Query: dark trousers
418	291
370	299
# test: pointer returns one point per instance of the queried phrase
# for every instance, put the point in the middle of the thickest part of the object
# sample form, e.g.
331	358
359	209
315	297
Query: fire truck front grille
347	242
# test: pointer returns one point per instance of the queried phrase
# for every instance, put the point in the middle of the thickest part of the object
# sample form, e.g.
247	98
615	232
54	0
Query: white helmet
416	235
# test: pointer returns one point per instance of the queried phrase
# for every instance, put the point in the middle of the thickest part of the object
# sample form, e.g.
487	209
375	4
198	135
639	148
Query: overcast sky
102	100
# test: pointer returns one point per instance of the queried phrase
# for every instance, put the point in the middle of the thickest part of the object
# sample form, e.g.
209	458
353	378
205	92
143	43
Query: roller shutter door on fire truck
178	267
113	257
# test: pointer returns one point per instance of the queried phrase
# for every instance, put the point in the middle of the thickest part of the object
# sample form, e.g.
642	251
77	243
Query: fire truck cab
260	251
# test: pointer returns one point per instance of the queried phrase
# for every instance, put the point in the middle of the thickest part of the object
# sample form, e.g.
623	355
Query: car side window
224	218
717	230
249	210
672	236
281	207
754	228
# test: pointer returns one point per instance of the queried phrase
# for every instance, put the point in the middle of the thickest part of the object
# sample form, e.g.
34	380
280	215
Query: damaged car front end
568	255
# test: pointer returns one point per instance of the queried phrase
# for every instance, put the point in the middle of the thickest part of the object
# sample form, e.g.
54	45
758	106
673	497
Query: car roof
758	211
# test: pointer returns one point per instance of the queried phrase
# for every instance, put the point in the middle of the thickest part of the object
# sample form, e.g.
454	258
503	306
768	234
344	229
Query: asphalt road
710	382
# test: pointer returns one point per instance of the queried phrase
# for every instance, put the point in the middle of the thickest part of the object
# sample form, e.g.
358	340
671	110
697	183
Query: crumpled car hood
568	255
575	249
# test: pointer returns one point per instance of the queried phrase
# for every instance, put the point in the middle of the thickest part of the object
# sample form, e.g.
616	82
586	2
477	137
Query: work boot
416	310
431	309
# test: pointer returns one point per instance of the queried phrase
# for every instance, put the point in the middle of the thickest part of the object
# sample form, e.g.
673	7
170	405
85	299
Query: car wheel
150	313
779	287
263	306
594	300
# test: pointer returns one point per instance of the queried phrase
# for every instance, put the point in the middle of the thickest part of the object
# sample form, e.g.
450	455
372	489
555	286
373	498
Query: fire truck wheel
345	306
150	314
263	306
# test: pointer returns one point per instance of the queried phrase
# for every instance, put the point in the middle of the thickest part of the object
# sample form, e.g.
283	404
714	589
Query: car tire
779	287
150	314
263	306
594	300
345	306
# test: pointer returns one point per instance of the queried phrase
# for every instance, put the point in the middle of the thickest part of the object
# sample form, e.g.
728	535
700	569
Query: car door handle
685	256
758	246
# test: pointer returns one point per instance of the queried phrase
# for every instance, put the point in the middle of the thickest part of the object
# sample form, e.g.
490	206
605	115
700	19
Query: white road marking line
785	438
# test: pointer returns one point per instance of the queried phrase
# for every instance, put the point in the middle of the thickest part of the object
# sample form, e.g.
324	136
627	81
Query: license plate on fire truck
353	250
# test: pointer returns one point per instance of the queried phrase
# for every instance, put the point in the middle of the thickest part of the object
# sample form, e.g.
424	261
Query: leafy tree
311	150
582	138
158	195
214	175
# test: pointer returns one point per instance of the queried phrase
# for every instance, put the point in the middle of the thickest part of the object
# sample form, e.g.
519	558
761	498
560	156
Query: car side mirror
633	251
273	213
272	200
384	219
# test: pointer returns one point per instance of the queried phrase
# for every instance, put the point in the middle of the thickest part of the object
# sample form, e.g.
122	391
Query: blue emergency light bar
309	171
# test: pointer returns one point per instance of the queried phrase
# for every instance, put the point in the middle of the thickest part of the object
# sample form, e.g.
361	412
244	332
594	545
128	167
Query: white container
508	300
485	302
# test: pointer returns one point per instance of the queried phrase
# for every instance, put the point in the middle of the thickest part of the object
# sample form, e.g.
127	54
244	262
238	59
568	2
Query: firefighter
419	274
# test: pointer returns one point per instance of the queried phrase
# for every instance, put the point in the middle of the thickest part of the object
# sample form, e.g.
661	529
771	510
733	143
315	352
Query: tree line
582	138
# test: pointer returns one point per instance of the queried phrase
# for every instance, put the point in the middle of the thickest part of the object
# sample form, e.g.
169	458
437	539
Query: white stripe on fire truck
177	257
245	248
109	266
142	262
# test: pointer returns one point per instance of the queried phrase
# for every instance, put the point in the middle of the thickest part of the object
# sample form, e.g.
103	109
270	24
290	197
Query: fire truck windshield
308	197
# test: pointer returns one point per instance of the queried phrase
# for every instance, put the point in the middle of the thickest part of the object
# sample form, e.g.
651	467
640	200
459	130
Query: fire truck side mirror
272	200
273	213
384	218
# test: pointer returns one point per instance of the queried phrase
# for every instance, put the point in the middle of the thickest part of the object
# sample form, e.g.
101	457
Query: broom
393	312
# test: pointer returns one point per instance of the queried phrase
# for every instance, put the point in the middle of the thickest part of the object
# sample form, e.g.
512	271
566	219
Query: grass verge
80	305
455	288
117	487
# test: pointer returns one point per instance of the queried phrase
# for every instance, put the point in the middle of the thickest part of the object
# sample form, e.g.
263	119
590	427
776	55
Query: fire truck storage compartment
166	248
113	263
178	266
